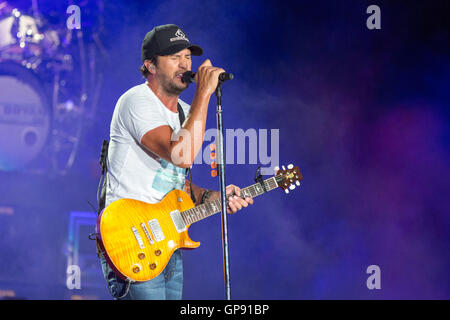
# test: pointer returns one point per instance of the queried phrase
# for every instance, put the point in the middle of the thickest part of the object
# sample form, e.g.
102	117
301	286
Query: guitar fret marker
188	216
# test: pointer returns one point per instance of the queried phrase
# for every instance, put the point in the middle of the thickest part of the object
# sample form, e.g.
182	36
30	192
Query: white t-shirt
133	171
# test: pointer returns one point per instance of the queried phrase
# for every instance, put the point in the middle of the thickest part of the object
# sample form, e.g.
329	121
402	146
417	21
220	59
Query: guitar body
139	238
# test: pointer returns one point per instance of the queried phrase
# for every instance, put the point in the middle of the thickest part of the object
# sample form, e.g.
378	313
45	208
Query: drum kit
49	88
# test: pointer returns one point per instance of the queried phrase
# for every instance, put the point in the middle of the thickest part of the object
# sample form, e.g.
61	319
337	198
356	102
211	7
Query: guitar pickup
178	221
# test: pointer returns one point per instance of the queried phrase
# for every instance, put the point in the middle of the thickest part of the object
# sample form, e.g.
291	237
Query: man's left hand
235	202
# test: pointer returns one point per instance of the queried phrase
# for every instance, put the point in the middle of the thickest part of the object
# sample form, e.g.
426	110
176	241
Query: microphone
189	77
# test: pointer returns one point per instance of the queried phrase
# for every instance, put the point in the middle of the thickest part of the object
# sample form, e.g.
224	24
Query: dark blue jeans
166	286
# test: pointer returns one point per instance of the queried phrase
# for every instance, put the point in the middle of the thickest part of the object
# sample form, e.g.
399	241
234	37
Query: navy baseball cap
167	39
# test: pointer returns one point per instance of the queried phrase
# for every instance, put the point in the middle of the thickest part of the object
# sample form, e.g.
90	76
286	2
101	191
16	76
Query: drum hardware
54	81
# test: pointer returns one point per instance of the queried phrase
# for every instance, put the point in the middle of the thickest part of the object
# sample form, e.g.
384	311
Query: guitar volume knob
136	269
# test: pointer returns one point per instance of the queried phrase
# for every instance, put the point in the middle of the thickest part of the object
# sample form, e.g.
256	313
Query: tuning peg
283	167
292	187
290	166
276	168
286	190
297	183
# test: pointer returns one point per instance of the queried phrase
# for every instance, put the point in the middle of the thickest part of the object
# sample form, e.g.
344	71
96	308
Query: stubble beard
171	87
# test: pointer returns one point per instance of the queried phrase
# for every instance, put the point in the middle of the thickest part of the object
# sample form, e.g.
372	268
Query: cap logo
179	35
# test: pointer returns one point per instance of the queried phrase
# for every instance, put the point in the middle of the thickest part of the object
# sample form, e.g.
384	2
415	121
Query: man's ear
150	66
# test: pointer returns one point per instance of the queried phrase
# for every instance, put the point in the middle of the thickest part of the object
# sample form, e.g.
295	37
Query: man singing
144	159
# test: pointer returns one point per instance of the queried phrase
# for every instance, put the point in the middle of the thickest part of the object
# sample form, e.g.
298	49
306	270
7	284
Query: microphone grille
187	77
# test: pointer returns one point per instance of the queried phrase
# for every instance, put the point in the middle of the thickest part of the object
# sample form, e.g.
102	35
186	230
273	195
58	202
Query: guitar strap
101	199
188	170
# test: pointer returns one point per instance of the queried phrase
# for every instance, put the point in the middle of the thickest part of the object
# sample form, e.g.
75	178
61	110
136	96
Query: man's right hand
207	77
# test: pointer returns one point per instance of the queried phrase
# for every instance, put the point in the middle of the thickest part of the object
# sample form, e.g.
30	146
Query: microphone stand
221	172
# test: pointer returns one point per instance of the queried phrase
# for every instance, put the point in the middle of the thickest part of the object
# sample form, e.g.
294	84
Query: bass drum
25	116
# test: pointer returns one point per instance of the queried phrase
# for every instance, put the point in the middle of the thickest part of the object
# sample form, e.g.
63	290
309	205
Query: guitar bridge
138	237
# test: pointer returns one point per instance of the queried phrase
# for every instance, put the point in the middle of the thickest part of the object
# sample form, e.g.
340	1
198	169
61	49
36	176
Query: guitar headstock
288	178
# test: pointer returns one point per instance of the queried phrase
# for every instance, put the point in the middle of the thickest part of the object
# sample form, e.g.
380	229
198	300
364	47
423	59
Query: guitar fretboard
210	208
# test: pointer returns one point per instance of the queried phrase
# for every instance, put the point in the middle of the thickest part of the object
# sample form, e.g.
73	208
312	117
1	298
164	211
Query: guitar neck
210	208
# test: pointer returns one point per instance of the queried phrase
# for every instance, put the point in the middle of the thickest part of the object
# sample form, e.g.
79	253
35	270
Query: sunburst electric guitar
138	238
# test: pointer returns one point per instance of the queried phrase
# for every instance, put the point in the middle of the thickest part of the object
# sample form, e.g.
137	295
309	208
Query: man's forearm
195	125
197	191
